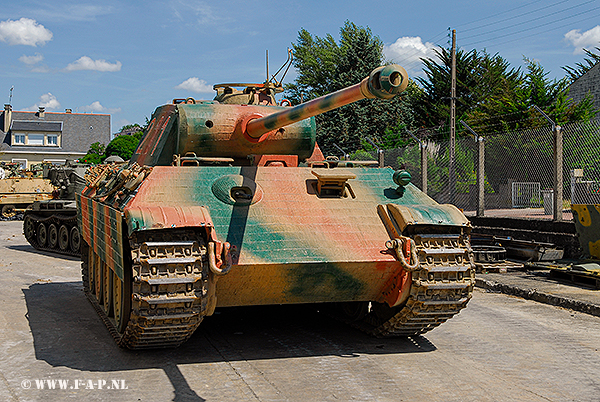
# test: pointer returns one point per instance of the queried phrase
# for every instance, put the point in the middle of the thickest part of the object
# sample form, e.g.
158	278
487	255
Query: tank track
441	287
31	233
169	290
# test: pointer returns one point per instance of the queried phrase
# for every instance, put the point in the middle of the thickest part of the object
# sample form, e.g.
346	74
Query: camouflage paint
102	228
587	224
293	245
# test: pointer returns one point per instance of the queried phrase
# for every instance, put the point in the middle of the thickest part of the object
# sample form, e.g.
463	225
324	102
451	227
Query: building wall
79	131
589	82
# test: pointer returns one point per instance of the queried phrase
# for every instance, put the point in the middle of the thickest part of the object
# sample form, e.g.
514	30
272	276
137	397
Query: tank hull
16	194
289	244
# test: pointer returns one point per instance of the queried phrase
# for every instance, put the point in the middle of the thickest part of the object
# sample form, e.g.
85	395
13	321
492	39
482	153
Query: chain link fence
518	168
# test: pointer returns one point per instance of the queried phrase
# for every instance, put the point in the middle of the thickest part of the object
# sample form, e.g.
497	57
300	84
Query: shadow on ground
67	332
31	249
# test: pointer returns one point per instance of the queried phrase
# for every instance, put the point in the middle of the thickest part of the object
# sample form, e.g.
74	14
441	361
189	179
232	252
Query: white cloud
96	107
48	101
24	32
71	12
408	50
200	10
195	84
31	60
40	69
588	39
86	63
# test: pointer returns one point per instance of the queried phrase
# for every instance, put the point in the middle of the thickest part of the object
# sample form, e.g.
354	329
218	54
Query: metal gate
526	195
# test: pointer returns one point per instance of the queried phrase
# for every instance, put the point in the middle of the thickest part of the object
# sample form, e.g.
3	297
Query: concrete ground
529	213
500	348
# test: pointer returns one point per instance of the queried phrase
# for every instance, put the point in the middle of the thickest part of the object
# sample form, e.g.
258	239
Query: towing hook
406	252
225	262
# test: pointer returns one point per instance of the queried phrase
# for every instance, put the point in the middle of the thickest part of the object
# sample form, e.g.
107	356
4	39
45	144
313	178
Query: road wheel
63	238
107	288
98	278
8	211
42	235
29	229
121	302
87	259
75	239
52	236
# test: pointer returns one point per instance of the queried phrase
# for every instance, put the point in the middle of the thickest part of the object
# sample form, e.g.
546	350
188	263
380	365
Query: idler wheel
29	228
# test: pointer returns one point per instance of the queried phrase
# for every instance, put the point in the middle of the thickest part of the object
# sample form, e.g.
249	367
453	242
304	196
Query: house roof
32	125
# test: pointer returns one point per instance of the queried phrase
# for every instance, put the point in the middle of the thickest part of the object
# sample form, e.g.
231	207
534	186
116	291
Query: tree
325	66
582	68
480	78
512	109
123	146
94	155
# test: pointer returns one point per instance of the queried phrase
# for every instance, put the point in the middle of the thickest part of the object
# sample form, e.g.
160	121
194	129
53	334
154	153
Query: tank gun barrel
384	82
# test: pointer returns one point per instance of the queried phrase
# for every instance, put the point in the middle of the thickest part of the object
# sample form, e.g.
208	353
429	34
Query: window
35	139
22	162
56	162
24	138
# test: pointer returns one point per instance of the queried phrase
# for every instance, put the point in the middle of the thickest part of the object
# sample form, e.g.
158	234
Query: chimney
68	110
7	117
41	112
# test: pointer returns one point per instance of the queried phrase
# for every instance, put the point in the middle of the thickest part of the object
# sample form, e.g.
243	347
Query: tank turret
214	129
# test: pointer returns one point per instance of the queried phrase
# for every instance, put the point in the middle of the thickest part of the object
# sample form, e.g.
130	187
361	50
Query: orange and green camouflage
221	205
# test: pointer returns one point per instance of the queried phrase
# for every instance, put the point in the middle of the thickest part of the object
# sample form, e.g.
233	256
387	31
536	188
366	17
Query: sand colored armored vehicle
19	189
224	204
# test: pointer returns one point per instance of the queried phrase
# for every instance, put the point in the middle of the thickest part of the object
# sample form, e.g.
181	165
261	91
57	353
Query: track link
168	290
441	287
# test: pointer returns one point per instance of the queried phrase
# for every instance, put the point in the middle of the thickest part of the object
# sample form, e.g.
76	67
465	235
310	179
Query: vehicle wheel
29	229
42	235
353	311
63	238
87	259
121	302
8	211
75	239
108	289
52	236
98	278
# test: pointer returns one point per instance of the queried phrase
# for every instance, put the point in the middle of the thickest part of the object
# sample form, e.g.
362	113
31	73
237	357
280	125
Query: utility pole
451	168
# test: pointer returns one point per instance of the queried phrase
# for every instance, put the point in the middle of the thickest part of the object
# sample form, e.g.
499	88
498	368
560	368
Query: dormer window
19	139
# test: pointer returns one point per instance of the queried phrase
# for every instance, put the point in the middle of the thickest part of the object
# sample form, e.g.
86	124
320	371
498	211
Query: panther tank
224	204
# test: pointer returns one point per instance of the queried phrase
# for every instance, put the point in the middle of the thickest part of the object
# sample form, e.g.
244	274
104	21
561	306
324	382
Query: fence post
558	172
480	175
480	169
423	147
557	165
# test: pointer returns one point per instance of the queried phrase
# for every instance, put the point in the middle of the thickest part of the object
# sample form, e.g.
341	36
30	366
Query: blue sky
125	58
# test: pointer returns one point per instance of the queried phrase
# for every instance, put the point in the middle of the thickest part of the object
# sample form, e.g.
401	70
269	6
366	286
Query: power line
500	13
539	26
518	16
